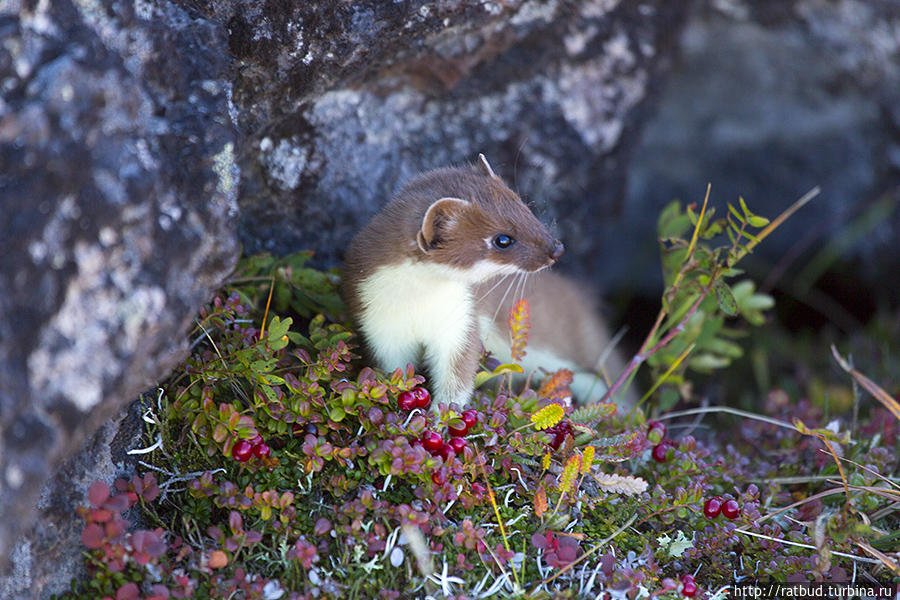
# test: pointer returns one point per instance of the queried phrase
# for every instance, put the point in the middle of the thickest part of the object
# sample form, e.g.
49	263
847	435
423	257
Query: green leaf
668	398
752	237
735	213
337	413
220	432
724	348
744	208
672	223
278	329
725	298
758	222
708	362
483	376
692	216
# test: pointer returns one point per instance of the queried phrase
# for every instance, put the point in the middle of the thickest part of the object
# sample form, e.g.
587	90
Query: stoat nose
556	249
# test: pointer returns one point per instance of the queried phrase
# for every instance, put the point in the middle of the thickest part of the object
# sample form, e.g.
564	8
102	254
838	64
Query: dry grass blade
779	220
872	471
891	495
884	558
262	329
821	494
870	386
665	375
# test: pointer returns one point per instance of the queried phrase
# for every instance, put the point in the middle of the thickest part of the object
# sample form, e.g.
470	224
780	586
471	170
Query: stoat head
479	227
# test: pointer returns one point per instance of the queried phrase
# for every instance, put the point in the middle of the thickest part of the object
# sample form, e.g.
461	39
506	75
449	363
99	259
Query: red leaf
98	493
322	527
235	522
129	591
92	536
117	503
99	515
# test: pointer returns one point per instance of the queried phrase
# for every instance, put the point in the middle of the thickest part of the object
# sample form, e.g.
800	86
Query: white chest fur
412	306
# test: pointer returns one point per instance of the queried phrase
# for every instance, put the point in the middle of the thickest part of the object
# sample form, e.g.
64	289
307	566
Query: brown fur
396	233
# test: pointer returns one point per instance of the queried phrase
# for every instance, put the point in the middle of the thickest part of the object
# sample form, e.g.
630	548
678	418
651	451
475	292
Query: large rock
343	106
117	198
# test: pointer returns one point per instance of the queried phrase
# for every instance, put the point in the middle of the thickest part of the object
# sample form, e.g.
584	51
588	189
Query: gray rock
551	92
768	100
117	204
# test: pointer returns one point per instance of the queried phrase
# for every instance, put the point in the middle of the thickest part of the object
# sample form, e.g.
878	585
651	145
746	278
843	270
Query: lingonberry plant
280	466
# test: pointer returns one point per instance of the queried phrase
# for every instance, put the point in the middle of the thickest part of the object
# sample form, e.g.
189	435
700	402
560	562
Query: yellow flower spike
587	460
567	479
548	416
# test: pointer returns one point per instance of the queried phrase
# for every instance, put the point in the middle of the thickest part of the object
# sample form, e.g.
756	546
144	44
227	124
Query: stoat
418	278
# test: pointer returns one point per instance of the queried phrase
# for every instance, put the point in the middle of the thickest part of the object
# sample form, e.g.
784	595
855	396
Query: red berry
446	452
689	588
241	451
656	431
470	418
406	400
432	441
687	577
262	450
458	444
457	428
423	398
256	441
712	507
438	478
731	509
659	452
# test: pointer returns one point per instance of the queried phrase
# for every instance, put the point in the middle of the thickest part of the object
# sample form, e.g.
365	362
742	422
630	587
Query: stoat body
417	282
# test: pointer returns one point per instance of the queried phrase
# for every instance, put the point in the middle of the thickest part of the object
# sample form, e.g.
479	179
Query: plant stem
642	356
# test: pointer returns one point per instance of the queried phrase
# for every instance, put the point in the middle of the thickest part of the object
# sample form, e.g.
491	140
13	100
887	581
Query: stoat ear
439	219
485	167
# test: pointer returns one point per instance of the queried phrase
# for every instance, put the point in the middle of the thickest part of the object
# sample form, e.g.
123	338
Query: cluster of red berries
730	509
688	586
458	429
559	433
433	441
244	449
414	398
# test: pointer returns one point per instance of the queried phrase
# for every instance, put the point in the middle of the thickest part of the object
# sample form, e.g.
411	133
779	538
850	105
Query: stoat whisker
503	299
520	290
493	287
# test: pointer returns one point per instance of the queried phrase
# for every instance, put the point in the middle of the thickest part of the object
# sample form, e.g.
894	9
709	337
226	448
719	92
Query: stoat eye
503	241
